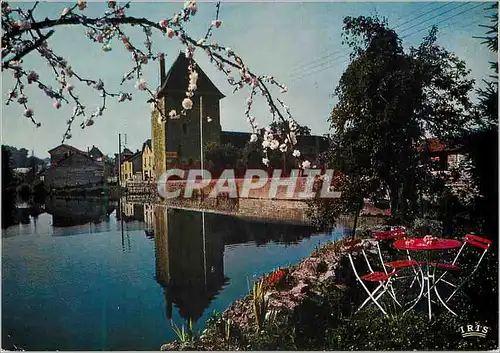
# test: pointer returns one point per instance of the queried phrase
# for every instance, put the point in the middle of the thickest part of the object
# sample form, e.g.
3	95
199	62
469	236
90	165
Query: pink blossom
120	12
69	87
122	97
82	4
163	23
12	94
24	24
141	85
111	4
99	85
28	113
22	99
170	33
216	23
56	104
125	39
32	76
99	38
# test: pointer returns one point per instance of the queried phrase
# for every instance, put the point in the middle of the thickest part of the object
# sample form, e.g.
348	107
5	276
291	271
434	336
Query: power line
329	63
428	12
449	18
438	15
330	53
307	70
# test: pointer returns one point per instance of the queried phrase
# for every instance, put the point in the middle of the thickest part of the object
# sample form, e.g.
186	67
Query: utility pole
201	142
119	159
201	132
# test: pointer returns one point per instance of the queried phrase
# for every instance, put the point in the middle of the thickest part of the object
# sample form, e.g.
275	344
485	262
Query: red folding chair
396	233
473	241
384	280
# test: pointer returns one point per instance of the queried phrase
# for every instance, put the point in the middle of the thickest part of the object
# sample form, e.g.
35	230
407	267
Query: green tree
220	157
482	143
389	100
8	188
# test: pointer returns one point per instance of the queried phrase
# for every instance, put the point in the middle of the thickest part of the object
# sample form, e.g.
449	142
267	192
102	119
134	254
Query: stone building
72	168
177	141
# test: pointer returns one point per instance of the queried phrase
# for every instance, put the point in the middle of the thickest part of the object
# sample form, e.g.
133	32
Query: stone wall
280	193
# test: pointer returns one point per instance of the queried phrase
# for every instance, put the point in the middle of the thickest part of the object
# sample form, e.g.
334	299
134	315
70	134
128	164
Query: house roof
435	145
177	79
74	149
132	157
65	159
236	138
146	143
127	151
96	152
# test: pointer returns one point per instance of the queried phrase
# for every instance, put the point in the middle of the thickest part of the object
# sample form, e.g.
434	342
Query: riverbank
311	305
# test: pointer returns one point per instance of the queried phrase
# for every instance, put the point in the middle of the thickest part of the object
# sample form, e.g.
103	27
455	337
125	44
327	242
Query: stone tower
177	142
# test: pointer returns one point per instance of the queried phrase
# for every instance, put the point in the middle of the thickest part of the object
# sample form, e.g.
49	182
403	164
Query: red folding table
428	244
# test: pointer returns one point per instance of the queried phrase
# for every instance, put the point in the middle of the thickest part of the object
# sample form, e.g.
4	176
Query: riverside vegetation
311	306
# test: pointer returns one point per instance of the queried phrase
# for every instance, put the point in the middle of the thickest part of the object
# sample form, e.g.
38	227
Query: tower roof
177	79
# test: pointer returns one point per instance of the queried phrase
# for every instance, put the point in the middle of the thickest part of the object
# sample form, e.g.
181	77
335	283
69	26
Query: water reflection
189	261
189	251
70	212
182	264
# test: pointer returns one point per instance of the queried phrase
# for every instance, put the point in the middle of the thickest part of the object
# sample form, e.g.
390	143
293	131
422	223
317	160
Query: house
446	154
147	161
132	167
124	154
72	168
96	154
62	152
178	140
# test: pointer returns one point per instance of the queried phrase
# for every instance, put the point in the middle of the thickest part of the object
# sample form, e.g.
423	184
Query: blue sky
298	43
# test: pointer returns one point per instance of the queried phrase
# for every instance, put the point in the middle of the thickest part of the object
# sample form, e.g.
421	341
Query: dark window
179	150
184	128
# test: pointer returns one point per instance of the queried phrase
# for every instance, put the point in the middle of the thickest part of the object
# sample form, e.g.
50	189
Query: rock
327	276
300	288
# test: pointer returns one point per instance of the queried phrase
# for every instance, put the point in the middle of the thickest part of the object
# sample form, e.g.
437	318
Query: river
79	274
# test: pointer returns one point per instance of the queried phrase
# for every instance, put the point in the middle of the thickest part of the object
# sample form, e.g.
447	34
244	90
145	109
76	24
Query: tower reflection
189	260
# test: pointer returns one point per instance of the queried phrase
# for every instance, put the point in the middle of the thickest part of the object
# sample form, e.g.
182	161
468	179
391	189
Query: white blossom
296	153
274	144
253	138
306	164
265	161
187	103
